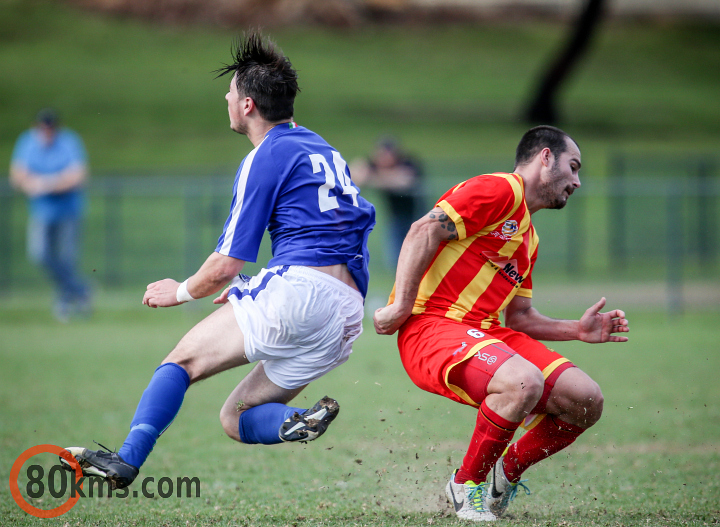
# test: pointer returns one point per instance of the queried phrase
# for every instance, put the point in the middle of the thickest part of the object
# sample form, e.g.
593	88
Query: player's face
235	112
562	178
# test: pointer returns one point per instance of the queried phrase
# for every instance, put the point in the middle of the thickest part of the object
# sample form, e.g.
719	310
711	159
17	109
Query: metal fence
135	228
649	218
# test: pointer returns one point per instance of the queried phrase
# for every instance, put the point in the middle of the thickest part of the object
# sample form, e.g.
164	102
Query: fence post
6	241
219	204
576	236
674	248
193	228
617	242
705	229
113	231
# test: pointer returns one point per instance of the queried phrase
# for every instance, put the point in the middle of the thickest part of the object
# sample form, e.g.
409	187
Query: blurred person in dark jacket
399	177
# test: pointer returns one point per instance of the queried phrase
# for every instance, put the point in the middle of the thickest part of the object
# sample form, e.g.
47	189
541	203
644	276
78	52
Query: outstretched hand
162	293
596	327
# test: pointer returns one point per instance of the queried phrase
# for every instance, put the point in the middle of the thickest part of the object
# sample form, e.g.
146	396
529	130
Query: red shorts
437	352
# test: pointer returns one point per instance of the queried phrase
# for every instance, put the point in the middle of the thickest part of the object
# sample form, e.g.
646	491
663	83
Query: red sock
491	435
550	436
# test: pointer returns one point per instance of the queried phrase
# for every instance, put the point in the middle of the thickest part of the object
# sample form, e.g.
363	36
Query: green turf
652	460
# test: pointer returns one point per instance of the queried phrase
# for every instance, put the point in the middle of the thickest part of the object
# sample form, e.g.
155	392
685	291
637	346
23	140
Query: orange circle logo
15	473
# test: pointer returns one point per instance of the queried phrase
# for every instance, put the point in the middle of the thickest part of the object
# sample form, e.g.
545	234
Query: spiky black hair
264	74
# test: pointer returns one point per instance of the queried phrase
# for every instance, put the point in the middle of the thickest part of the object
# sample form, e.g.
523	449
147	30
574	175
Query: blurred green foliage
144	98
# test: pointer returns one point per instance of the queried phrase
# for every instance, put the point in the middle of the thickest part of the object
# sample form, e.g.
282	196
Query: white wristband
183	295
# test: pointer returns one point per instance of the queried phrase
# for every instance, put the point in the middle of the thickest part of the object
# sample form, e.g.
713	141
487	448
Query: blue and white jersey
299	188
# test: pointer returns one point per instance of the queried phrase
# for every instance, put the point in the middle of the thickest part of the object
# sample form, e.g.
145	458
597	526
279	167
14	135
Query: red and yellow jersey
473	278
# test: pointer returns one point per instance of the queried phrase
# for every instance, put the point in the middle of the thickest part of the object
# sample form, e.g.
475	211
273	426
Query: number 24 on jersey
325	200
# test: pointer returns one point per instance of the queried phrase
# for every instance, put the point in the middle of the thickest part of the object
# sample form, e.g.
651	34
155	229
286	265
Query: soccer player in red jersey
461	265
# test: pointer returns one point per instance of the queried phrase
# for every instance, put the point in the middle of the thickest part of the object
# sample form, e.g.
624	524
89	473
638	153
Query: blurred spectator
399	177
49	165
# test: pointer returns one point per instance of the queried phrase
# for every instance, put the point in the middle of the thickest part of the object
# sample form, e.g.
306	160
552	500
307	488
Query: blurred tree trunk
543	107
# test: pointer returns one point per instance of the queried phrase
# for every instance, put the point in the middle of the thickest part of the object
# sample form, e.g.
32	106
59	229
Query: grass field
653	459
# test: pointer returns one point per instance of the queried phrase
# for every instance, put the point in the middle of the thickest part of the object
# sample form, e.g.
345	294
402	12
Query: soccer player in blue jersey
297	319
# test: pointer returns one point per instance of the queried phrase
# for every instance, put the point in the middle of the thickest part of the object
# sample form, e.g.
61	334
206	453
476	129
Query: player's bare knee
229	419
529	385
521	382
583	405
593	402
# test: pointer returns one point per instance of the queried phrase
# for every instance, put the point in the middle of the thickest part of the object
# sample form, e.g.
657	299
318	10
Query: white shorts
299	321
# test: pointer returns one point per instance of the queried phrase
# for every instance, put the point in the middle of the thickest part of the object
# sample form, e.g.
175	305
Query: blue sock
261	424
158	406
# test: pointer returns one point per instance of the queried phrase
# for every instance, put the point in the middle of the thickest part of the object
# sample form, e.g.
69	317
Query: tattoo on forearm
445	223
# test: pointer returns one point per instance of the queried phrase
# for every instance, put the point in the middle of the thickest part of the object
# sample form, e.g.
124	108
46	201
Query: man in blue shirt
49	165
297	319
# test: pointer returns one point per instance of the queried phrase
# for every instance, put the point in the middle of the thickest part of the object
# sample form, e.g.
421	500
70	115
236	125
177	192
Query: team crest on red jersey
510	227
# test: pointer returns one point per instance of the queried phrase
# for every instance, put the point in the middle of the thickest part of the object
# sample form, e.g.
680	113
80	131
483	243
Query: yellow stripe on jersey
455	217
456	389
477	286
532	247
489	322
445	261
553	366
517	186
459	186
449	255
525	293
453	252
472	292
